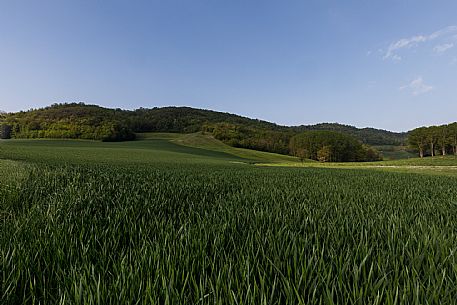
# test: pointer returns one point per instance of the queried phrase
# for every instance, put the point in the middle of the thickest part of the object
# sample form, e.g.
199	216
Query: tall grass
190	233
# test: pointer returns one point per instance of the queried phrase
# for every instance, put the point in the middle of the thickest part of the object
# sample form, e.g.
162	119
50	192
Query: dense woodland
331	146
434	140
80	121
72	121
369	136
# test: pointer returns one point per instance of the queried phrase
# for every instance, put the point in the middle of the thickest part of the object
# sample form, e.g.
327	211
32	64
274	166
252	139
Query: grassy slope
149	148
208	142
146	151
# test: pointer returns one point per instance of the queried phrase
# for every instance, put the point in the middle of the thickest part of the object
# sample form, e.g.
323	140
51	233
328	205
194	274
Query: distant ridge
368	135
79	120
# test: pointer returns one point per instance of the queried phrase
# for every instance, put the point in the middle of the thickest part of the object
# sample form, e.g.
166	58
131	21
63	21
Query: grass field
205	141
173	219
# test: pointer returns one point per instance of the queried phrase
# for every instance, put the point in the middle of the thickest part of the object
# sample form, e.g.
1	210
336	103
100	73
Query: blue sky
389	64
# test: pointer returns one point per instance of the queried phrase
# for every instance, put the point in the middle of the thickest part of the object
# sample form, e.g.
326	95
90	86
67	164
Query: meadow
174	219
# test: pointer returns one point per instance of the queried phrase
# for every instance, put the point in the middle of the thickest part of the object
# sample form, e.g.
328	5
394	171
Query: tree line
434	140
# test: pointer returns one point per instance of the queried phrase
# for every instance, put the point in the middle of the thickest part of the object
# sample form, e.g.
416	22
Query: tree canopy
433	140
369	136
330	146
74	121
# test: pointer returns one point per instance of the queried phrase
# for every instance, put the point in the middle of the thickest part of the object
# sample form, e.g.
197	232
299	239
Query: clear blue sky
388	64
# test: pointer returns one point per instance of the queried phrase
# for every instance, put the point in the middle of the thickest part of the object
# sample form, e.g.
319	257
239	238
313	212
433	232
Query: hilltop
178	119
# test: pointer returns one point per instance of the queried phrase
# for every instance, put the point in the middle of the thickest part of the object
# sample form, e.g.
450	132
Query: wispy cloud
401	44
441	48
407	43
417	86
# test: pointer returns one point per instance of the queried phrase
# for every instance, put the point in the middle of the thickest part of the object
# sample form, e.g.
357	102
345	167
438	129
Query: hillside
176	119
370	136
81	121
207	141
76	121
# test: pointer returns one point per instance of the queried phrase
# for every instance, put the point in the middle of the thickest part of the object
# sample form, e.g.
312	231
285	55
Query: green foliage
452	131
369	153
5	131
369	136
251	138
417	138
325	154
426	140
134	223
188	120
331	146
71	121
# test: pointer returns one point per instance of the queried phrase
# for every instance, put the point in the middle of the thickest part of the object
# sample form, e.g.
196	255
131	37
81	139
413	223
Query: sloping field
151	147
144	151
206	141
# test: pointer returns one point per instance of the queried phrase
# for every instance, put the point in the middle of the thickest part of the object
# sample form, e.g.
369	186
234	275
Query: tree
325	154
417	138
302	154
442	138
452	130
432	138
5	131
370	154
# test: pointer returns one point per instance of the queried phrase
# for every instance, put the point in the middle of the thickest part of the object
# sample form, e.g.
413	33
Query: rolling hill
171	119
81	121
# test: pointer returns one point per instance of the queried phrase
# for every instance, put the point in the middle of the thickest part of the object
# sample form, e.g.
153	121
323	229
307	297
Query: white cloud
401	44
441	48
407	43
444	32
417	86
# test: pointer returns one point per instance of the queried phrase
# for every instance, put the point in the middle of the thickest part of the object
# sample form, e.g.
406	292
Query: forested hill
370	136
78	120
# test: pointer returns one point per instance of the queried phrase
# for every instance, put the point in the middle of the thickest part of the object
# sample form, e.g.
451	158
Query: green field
184	219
